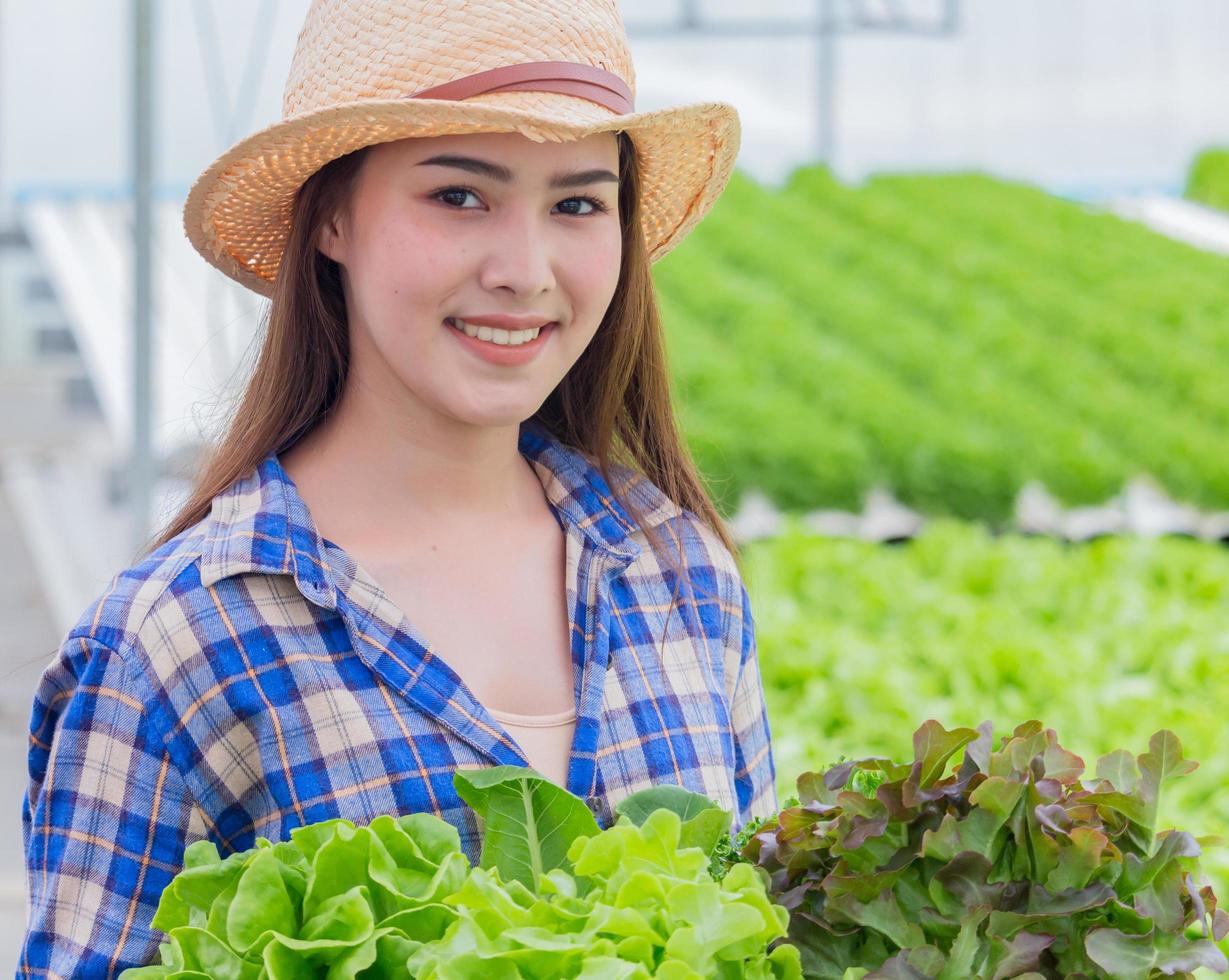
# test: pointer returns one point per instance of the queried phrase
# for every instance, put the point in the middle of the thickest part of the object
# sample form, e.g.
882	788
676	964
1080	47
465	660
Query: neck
368	473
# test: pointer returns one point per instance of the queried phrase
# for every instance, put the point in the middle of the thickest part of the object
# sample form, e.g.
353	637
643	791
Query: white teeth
509	338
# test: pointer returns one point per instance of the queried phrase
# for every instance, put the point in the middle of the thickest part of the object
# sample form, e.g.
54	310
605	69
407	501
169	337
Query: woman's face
423	242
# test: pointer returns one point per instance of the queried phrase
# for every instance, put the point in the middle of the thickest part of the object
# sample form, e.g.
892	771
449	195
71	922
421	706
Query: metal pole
826	66
141	469
4	198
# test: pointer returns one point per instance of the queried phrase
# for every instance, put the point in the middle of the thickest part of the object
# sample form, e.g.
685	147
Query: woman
415	549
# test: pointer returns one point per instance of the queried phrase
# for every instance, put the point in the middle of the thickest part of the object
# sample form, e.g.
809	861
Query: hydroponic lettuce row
949	336
554	896
1117	638
1010	866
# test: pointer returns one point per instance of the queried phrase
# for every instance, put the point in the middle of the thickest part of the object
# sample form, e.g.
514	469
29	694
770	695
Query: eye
598	206
461	192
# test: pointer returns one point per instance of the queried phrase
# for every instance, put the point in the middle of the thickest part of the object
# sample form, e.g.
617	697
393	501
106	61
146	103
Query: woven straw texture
357	65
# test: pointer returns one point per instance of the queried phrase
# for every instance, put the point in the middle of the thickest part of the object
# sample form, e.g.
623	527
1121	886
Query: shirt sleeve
105	820
755	775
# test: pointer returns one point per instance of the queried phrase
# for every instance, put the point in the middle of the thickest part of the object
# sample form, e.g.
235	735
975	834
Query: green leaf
912	964
198	885
1043	902
965	878
705	830
711	924
864	887
1137	874
402	875
344	920
1120	769
966	952
883	914
340	863
261	904
704	822
309	838
423	924
392	952
998	795
1062	765
977	832
198	950
1161	899
1131	807
528	822
933	745
1161	763
1010	958
812	788
1127	957
1078	860
685	803
435	839
284	963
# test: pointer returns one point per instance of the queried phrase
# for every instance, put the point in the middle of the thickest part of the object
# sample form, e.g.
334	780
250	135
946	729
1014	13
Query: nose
520	254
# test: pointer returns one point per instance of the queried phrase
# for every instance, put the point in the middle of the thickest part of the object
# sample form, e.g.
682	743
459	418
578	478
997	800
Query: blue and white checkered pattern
249	677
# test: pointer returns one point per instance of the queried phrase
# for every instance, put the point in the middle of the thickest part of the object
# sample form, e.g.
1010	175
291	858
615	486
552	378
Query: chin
495	418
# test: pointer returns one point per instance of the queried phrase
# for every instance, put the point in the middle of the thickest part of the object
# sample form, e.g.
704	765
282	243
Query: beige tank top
546	739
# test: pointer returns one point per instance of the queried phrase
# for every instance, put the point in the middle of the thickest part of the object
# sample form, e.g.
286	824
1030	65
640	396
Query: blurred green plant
1208	179
1109	640
952	337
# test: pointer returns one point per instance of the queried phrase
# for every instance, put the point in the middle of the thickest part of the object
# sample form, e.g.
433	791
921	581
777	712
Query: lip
505	321
502	354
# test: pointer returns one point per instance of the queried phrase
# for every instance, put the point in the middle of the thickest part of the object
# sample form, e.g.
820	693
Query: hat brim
237	212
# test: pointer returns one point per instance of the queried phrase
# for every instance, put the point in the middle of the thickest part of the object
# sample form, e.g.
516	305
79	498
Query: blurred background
979	247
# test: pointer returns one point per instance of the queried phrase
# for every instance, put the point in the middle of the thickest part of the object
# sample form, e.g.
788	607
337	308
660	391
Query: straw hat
368	71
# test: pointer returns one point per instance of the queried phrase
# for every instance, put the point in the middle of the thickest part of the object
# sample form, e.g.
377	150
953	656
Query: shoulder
120	618
624	504
703	549
95	658
695	546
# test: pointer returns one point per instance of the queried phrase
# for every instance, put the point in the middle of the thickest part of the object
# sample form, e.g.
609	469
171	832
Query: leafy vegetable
1207	181
1009	865
528	821
640	906
336	898
554	896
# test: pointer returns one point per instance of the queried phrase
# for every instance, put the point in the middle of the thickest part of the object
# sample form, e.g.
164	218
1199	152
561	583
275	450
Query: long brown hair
614	405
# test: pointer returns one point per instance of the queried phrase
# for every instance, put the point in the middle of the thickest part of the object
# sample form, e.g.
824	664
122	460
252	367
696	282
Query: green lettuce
553	896
638	905
527	821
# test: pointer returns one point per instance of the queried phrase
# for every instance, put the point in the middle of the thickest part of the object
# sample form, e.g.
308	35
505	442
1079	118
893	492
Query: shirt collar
261	524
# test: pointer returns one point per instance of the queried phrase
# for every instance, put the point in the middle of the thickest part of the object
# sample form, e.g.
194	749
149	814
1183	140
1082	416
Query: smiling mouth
500	338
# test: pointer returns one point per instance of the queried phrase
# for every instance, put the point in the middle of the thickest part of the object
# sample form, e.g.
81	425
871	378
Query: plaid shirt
248	677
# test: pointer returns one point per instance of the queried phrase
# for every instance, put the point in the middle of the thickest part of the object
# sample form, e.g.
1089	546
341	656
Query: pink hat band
565	77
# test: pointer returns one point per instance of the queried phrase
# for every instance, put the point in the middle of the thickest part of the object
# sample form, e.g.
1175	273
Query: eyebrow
484	168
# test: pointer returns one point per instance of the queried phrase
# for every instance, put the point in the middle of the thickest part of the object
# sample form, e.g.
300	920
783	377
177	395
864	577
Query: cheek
597	266
594	279
406	261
